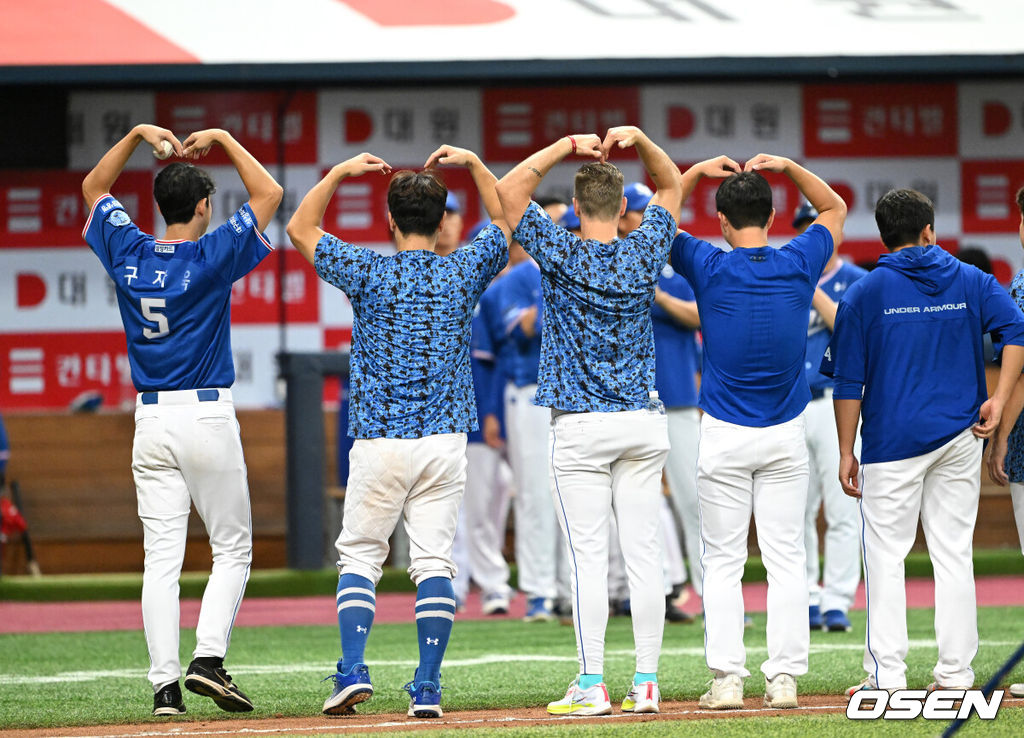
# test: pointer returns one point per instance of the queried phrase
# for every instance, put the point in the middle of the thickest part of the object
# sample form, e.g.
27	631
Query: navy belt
817	394
204	395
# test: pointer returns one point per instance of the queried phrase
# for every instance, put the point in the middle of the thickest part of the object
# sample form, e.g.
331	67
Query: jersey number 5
148	303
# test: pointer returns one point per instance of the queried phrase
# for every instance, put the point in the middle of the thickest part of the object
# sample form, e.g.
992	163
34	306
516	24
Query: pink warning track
49	617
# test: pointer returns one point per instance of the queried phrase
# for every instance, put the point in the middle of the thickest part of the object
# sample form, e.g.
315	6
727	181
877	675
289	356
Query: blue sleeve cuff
848	390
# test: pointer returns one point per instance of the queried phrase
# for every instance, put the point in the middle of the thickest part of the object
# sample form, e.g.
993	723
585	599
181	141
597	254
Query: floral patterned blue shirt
597	344
1015	443
410	375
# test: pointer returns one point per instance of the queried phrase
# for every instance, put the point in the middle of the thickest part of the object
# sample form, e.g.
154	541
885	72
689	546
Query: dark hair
178	188
745	199
416	202
545	201
975	256
901	215
598	190
1020	200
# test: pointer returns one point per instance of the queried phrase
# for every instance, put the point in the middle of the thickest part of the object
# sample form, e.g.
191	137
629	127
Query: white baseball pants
605	463
681	471
742	469
842	519
420	480
189	451
484	525
527	429
941	488
1017	494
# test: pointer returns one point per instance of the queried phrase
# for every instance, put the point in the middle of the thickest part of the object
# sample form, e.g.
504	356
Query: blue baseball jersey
483	364
1015	442
675	347
908	343
175	296
834	284
521	291
597	343
753	305
410	374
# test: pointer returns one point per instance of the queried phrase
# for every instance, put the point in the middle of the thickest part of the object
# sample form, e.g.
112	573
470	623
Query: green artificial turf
64	679
289	583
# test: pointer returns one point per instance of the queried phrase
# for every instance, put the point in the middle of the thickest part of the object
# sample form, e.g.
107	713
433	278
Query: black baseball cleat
208	678
167	700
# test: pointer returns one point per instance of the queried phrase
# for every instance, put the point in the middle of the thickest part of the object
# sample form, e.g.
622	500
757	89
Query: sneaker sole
780	704
838	629
722	705
1016	692
344	701
221	696
426	711
643	708
168	711
582	711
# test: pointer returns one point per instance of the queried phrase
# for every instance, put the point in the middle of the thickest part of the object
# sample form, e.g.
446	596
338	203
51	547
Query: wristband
573	142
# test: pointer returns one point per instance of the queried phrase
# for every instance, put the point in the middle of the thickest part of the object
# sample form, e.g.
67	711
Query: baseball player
174	295
536	538
753	303
609	436
906	357
675	321
827	607
1006	450
411	403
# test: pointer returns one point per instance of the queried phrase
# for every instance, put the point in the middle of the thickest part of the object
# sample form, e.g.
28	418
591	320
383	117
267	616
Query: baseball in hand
163	150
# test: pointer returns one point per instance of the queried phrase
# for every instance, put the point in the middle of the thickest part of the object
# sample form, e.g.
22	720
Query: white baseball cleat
577	701
726	693
1017	690
780	692
642	697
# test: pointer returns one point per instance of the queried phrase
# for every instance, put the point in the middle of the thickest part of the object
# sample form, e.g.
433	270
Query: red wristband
573	142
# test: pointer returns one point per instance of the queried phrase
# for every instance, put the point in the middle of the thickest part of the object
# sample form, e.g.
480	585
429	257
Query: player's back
753	305
597	350
920	316
410	368
175	296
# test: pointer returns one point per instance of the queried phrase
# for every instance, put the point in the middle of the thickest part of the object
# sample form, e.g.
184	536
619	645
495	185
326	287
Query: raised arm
264	192
516	188
830	206
304	227
659	165
482	178
101	179
720	167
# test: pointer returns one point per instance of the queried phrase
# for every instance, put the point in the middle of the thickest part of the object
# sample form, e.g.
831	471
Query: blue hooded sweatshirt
908	339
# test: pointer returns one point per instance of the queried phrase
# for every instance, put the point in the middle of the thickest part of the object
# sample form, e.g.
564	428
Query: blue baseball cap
569	220
452	203
806	211
637	196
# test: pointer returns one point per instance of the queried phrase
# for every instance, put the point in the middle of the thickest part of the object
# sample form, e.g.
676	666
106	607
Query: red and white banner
959	143
901	120
45	208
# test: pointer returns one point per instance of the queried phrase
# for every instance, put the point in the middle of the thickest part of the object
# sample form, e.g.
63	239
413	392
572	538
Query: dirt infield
355	724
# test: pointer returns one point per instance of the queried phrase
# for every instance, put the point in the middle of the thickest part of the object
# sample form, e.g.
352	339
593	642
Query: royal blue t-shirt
908	344
675	347
521	290
410	375
175	296
753	305
597	344
835	285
